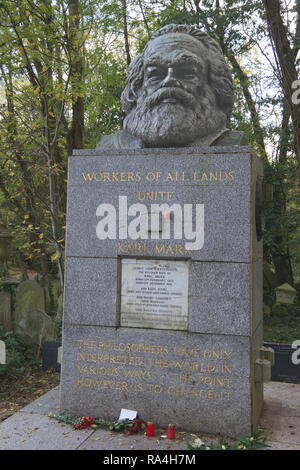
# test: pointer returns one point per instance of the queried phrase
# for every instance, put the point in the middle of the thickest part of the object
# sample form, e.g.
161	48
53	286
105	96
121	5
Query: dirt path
16	391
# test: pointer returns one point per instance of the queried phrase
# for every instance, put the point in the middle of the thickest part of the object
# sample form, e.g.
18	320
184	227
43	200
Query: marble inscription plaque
154	294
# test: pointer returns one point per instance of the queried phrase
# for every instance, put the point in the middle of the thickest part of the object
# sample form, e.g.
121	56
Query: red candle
171	431
150	429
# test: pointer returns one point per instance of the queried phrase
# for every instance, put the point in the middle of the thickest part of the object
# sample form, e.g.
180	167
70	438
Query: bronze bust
179	93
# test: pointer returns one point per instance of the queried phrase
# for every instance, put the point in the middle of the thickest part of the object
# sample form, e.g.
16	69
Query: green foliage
283	213
54	62
282	329
64	418
254	442
19	354
176	15
116	425
104	113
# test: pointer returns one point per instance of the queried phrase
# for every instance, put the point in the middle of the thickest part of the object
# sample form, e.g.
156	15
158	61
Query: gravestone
163	282
30	319
285	294
2	353
50	359
36	326
150	324
29	296
5	310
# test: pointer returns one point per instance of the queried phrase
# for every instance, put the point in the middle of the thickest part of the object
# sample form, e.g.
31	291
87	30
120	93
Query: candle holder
150	429
171	431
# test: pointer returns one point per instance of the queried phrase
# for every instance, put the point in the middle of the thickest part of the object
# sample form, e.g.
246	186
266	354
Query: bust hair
219	76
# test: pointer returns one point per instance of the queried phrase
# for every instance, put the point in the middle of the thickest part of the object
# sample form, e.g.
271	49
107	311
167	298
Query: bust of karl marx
179	93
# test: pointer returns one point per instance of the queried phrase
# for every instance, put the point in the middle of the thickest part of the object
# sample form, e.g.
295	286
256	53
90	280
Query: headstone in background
30	319
50	355
6	310
36	326
29	296
2	353
285	294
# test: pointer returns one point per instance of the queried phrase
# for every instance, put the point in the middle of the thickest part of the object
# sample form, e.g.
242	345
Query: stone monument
163	286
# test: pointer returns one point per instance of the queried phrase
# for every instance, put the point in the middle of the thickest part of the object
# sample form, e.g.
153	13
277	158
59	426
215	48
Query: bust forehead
170	46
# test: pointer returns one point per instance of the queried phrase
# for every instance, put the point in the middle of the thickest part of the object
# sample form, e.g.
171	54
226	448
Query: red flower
137	424
84	422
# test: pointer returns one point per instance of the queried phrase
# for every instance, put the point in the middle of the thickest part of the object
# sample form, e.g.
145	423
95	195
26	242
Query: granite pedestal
163	287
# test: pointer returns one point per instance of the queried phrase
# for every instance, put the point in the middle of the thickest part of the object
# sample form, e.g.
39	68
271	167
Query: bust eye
187	73
156	73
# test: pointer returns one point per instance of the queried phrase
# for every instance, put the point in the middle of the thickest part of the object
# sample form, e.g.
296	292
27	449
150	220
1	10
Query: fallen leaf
32	430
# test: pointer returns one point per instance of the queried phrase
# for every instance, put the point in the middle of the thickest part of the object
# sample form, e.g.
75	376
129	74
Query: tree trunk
282	260
125	26
285	58
77	77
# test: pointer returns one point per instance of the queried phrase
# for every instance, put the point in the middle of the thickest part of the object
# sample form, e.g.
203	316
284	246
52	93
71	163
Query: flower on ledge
83	422
136	426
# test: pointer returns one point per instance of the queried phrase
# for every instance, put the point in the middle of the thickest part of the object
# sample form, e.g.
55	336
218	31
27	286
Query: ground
18	390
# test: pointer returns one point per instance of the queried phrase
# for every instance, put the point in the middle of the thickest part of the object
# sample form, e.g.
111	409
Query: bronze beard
160	123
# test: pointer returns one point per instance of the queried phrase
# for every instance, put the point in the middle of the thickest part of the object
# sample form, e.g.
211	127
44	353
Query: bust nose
170	79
